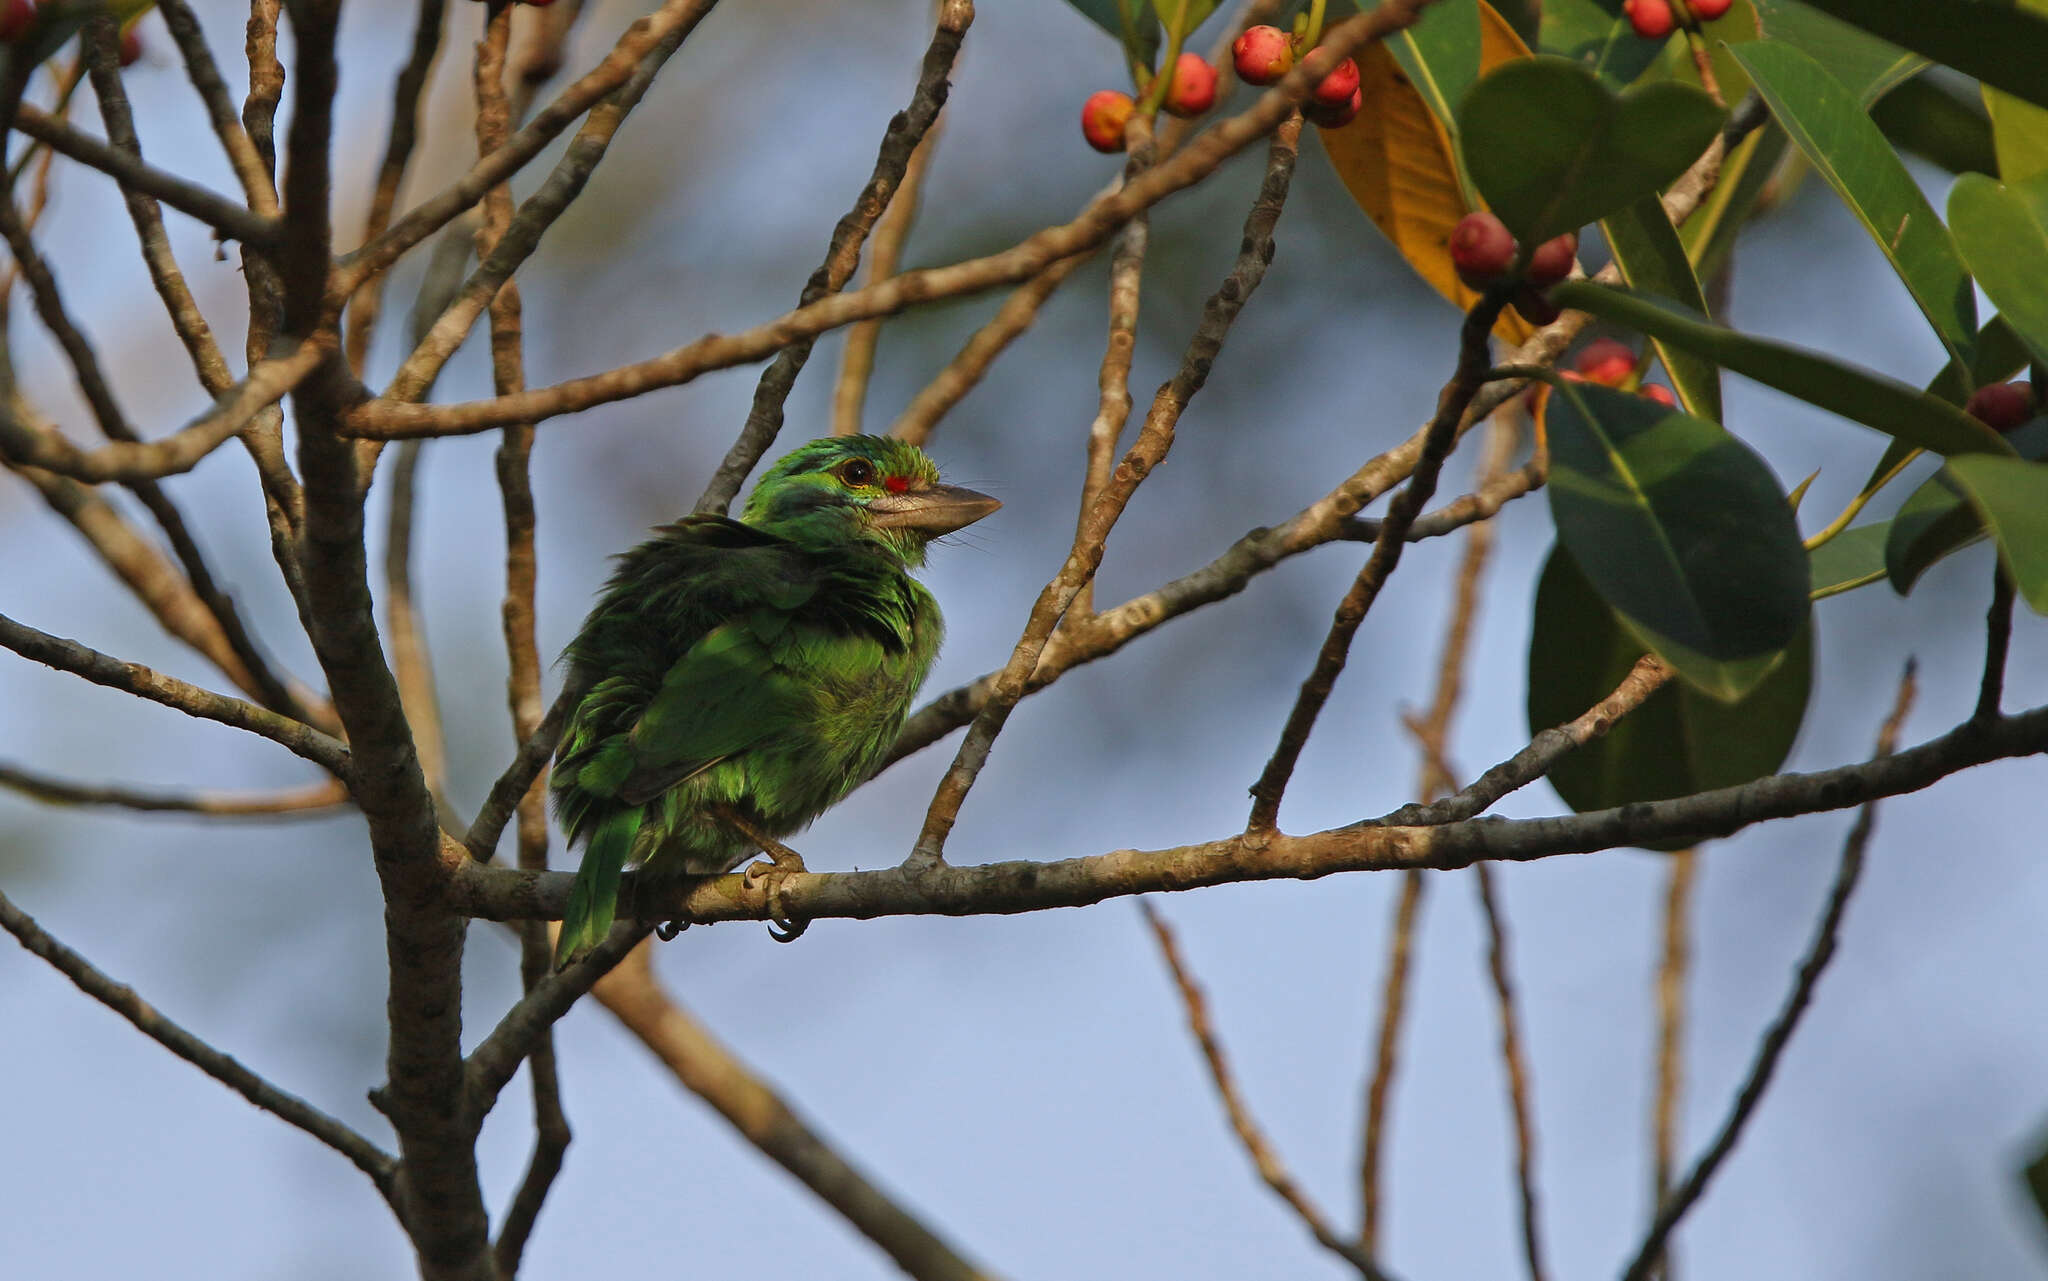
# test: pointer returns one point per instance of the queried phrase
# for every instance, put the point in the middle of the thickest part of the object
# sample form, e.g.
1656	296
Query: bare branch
1671	971
1155	438
220	108
1024	886
1997	639
498	1055
383	419
1380	1085
306	802
232	221
1516	1066
711	1072
133	678
1256	1146
842	255
1779	1033
122	1000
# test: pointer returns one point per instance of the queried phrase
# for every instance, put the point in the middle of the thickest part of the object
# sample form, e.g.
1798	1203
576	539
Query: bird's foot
783	862
666	930
786	863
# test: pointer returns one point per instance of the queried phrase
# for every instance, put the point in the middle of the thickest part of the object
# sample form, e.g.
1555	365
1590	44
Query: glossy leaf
1132	22
1993	40
2002	229
1923	119
1682	529
1552	149
2011	495
1652	259
1596	34
1867	66
1679	741
1710	233
1848	149
1859	395
1851	559
1397	161
1440	54
1937	519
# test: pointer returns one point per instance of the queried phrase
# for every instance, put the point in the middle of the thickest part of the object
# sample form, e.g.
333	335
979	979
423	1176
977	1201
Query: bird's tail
594	899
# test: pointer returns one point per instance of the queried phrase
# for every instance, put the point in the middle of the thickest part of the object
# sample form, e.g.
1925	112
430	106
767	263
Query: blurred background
1026	1083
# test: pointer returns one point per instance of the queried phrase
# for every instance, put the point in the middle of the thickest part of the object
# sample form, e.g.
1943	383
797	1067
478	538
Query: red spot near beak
897	484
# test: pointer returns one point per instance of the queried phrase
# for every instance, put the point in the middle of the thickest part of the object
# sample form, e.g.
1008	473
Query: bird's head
869	487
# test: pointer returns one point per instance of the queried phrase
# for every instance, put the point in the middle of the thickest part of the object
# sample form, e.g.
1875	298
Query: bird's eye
858	471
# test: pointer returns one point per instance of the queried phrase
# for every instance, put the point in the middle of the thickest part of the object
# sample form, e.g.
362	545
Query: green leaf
1552	149
1867	66
1851	559
1596	35
1850	151
2012	497
2002	229
1132	22
1937	519
1710	233
1440	55
1679	741
1682	529
1652	259
1926	120
1993	40
2019	135
1859	395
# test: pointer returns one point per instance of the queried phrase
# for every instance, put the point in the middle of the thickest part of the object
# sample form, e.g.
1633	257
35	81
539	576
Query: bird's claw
666	930
785	863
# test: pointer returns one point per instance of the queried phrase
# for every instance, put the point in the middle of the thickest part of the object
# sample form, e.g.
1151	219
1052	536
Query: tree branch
306	802
122	1000
1779	1034
231	220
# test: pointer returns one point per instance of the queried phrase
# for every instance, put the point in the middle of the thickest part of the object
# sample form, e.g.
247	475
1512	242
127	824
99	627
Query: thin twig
857	360
383	419
1517	1069
1453	405
519	776
1386	1056
710	1071
842	255
232	221
490	1066
220	108
1779	1034
411	662
122	1000
1264	1159
1671	977
305	802
1997	639
133	678
1154	440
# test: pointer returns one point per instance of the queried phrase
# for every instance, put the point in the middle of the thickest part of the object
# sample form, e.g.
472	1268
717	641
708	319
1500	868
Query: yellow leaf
1397	161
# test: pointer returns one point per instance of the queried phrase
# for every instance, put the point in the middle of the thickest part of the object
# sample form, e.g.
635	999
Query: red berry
1659	393
1535	308
1652	19
1324	116
131	47
2002	406
1262	55
1708	10
1193	90
1338	87
1103	118
16	17
1605	361
1553	259
1482	250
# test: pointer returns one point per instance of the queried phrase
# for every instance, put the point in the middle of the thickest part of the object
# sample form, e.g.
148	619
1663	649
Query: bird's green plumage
763	666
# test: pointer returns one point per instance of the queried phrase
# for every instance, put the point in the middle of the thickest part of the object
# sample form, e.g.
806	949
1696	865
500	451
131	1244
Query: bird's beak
938	510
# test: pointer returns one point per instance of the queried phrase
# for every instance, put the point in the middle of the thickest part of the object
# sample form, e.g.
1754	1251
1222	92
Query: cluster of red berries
1107	111
17	16
1264	54
2003	406
1654	19
1612	363
1483	252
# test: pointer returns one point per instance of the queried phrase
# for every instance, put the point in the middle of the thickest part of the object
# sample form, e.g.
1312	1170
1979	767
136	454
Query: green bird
742	676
